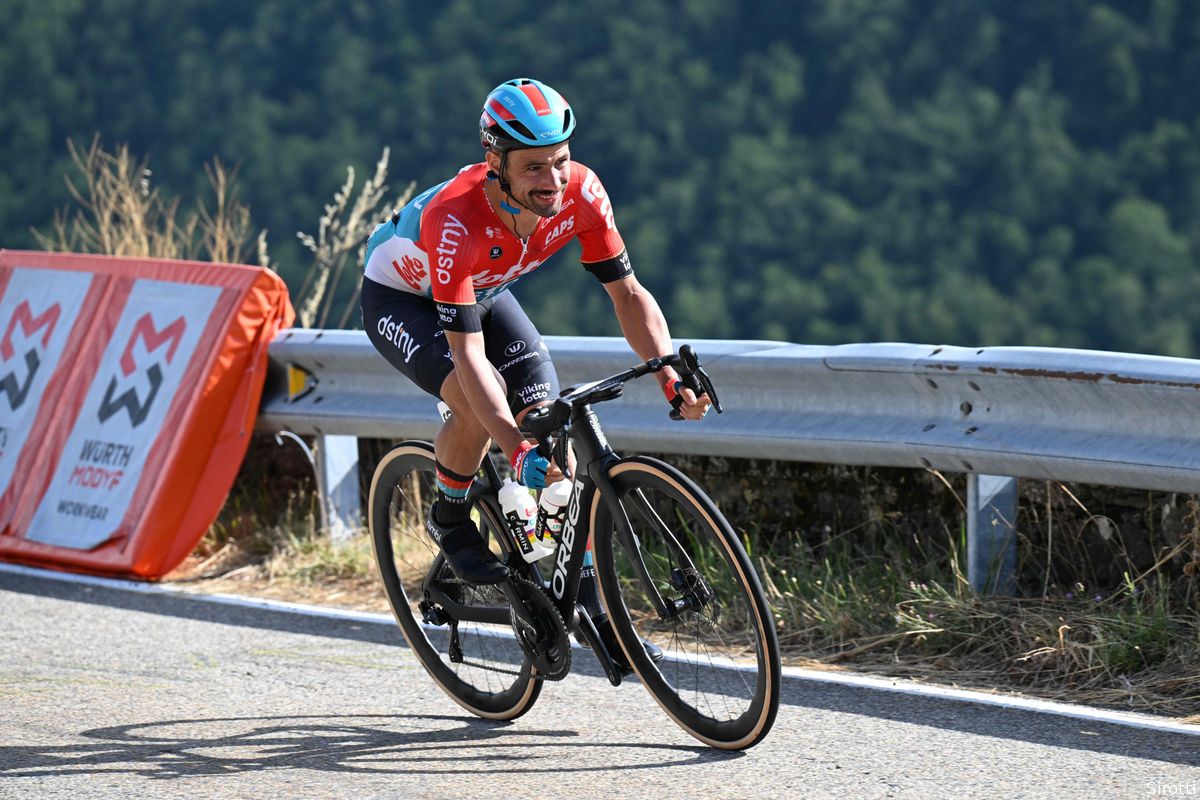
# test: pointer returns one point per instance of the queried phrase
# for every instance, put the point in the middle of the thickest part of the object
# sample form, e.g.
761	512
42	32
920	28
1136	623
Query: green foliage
825	172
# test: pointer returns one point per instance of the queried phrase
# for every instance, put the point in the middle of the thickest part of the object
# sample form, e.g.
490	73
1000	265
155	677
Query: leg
462	442
522	361
405	329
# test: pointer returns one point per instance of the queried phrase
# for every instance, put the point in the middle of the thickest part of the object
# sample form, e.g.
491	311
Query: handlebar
550	424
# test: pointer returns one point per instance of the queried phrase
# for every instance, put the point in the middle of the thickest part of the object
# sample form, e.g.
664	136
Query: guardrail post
992	533
337	477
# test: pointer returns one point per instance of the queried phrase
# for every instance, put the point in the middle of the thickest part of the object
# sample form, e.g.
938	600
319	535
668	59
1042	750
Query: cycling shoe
468	557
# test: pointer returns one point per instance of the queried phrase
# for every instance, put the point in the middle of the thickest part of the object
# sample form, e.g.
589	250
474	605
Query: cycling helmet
524	113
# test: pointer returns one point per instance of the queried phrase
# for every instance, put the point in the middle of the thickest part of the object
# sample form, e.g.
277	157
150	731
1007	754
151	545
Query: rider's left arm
645	329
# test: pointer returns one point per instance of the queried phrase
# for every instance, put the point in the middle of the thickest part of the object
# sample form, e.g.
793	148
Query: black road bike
668	569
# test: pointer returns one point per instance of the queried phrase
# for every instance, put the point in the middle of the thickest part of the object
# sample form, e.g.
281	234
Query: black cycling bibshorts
404	327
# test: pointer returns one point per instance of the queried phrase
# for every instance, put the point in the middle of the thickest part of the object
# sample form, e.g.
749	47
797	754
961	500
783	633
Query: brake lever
562	450
709	389
693	376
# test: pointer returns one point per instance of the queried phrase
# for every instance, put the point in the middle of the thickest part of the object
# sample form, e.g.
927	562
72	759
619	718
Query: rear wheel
681	579
460	633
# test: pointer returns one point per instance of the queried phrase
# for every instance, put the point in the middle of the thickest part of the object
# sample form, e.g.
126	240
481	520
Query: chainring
548	645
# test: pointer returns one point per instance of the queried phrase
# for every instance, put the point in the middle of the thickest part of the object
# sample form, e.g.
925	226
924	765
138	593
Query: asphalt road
104	693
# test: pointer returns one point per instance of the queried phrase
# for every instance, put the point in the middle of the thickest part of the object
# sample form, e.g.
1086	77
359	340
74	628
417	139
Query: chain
478	665
560	632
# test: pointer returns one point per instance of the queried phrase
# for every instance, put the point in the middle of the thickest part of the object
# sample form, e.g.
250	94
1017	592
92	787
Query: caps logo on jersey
159	345
496	252
566	226
31	359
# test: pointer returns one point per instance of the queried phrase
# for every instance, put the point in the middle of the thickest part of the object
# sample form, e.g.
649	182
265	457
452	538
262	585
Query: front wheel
460	633
679	577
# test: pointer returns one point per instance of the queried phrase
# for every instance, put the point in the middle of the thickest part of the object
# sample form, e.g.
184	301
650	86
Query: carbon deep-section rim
684	582
482	680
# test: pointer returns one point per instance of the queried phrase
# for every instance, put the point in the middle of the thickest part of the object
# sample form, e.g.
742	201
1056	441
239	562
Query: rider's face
538	177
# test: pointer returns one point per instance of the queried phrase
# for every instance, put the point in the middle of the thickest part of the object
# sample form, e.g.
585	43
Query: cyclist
436	300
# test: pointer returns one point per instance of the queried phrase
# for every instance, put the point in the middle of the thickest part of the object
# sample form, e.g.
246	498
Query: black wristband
460	319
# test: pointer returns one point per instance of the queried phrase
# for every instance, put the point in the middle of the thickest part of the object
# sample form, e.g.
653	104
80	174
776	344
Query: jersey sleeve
452	249
598	230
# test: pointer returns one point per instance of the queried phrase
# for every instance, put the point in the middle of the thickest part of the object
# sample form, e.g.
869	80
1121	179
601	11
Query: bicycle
668	568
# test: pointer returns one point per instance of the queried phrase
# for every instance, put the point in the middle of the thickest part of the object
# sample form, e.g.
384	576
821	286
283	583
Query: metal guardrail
1019	412
1072	415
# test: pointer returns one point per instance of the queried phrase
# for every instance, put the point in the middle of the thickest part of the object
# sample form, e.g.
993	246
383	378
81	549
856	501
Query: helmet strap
506	187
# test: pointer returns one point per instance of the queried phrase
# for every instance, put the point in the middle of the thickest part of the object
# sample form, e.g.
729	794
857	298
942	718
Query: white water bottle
520	512
551	510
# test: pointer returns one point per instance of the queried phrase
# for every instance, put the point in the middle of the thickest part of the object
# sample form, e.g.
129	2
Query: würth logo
24	319
153	340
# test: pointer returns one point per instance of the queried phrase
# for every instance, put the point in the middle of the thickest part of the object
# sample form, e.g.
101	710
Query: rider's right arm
479	383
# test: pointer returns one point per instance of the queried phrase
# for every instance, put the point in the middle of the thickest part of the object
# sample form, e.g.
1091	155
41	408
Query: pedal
456	651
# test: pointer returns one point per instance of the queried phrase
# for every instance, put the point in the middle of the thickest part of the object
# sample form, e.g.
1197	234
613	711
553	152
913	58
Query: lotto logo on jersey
410	270
22	334
593	193
490	279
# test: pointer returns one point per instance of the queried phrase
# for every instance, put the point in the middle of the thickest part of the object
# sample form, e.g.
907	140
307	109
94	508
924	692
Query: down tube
564	582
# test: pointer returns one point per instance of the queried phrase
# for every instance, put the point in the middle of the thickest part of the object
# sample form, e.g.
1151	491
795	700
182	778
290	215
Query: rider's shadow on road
361	744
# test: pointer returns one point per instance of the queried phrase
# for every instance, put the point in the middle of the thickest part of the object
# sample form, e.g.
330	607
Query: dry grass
343	229
278	550
886	597
119	213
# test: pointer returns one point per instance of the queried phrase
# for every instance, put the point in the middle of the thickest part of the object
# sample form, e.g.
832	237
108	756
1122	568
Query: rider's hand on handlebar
692	407
530	466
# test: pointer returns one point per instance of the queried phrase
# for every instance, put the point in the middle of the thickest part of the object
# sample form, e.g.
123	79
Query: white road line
896	686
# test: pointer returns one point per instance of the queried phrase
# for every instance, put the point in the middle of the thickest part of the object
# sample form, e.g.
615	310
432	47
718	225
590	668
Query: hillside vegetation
1022	173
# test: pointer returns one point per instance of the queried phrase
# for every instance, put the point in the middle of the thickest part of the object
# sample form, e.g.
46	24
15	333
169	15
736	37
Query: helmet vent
566	120
522	130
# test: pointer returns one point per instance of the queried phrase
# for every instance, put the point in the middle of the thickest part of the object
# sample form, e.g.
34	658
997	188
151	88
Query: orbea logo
153	340
24	318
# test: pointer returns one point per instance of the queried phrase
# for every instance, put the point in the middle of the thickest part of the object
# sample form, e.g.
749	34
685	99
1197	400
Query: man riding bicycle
436	300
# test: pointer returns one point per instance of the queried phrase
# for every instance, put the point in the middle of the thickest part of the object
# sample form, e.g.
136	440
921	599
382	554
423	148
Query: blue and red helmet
524	113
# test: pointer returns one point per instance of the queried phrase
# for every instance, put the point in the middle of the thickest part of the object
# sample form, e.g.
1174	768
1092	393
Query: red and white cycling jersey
450	245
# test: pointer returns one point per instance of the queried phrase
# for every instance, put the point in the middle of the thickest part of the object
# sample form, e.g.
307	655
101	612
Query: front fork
684	577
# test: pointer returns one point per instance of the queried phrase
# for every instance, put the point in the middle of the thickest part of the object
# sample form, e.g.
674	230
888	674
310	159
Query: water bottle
520	512
551	512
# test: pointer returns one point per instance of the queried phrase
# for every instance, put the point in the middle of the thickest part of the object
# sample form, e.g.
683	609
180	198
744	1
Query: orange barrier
129	390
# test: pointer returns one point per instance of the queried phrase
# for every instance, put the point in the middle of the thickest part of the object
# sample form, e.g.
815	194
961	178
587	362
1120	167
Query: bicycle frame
594	455
594	458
